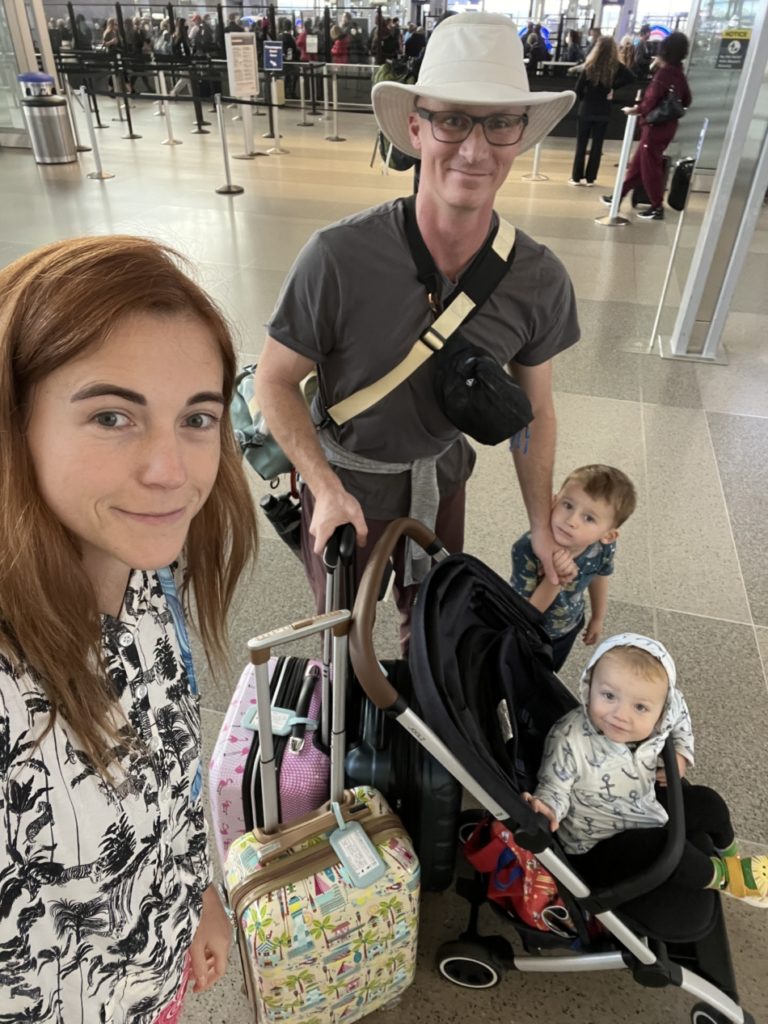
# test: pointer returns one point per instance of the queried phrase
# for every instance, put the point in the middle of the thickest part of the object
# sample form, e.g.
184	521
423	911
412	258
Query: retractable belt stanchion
613	220
99	174
194	88
229	189
249	153
270	132
277	149
326	91
303	123
71	105
93	104
130	134
170	141
335	137
535	174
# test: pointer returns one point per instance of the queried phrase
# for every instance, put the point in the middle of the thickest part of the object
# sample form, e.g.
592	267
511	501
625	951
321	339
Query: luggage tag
358	855
283	720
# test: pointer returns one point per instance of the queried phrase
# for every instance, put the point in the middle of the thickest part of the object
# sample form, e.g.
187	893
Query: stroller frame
647	959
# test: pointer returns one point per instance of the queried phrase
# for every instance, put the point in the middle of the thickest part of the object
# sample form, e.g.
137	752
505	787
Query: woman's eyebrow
103	390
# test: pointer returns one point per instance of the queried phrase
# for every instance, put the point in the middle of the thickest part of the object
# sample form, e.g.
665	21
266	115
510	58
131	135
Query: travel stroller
481	673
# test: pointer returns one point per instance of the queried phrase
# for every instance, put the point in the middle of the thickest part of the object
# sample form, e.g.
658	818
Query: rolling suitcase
303	766
681	183
325	907
299	693
420	790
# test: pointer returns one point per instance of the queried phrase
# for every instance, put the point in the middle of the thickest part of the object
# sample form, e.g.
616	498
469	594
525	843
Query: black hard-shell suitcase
681	183
640	196
425	796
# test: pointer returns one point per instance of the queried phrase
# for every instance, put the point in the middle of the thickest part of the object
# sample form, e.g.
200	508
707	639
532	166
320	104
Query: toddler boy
587	512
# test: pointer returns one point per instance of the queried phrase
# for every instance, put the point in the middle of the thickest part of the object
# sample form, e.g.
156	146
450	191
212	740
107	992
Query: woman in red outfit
647	163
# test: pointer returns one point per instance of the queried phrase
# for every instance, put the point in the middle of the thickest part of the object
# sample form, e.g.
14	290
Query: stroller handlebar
364	660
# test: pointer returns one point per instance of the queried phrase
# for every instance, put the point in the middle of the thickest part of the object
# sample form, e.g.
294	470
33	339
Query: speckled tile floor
690	566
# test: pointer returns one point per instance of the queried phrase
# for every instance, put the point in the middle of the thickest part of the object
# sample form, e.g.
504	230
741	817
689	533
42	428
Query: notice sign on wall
242	64
733	48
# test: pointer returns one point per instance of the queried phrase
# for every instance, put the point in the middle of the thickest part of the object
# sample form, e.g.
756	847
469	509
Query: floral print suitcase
315	948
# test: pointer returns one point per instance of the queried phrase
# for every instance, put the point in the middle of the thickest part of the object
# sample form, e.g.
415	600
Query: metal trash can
47	117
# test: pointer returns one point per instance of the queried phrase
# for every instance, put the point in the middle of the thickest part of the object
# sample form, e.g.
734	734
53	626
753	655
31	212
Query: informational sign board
733	48
242	64
273	56
313	45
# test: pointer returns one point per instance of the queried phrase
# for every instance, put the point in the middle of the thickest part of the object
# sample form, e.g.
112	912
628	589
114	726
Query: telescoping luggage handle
336	625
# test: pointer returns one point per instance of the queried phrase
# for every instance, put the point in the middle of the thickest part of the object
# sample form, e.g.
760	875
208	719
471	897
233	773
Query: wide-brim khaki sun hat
471	59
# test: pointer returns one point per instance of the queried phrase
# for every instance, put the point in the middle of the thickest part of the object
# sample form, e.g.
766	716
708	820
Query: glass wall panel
11	117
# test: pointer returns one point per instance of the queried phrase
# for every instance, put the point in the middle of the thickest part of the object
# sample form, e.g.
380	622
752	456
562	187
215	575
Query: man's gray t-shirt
352	303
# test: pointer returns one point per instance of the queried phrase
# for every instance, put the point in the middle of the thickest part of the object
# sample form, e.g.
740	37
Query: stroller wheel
702	1013
468	964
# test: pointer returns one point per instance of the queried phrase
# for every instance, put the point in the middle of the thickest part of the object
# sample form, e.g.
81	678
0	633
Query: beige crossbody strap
433	338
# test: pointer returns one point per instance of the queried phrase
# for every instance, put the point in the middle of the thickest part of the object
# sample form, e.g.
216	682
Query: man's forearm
534	469
291	425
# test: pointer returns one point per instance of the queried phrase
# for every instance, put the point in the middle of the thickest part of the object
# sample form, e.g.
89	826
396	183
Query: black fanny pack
473	391
476	394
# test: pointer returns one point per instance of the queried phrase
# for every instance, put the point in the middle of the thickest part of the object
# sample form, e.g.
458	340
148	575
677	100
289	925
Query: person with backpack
403	454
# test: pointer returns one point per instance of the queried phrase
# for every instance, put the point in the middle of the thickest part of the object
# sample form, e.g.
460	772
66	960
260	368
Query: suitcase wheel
469	964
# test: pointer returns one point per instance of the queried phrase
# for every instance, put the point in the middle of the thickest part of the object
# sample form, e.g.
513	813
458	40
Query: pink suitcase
303	768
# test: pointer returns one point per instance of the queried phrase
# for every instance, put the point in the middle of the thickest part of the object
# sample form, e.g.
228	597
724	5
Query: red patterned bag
516	880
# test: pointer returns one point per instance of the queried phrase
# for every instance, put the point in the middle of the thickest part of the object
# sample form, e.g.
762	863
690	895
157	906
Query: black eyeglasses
456	126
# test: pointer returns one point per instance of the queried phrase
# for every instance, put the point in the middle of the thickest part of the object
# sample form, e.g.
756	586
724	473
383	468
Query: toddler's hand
565	567
682	768
539	807
593	632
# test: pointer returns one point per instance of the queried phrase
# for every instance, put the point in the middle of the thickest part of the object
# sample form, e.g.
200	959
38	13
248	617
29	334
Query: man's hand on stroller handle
539	807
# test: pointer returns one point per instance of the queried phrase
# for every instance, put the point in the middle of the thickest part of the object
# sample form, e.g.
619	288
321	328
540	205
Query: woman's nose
163	463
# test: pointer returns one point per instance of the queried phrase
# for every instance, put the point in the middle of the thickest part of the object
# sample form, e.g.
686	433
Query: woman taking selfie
116	462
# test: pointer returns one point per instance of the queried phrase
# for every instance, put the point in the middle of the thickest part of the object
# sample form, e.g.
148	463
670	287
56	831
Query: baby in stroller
600	787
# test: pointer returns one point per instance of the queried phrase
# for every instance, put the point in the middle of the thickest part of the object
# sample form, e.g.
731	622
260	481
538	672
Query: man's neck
452	236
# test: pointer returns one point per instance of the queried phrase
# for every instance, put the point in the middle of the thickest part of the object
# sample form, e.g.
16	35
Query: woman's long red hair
55	303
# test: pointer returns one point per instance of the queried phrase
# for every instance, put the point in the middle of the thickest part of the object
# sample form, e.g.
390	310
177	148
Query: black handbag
670	109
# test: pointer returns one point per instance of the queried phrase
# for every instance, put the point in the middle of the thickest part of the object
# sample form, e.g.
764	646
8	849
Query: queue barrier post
79	147
303	123
229	189
535	174
613	220
326	94
335	137
249	153
277	149
99	174
166	108
130	134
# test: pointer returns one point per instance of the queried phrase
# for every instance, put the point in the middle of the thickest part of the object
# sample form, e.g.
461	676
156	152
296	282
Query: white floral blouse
101	884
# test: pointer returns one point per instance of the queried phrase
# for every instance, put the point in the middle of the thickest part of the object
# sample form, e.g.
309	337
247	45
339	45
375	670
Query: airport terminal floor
694	438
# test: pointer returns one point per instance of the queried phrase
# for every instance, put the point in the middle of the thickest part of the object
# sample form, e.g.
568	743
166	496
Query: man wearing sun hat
352	306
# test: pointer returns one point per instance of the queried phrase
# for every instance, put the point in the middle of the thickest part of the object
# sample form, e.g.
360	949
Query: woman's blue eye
110	419
202	420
